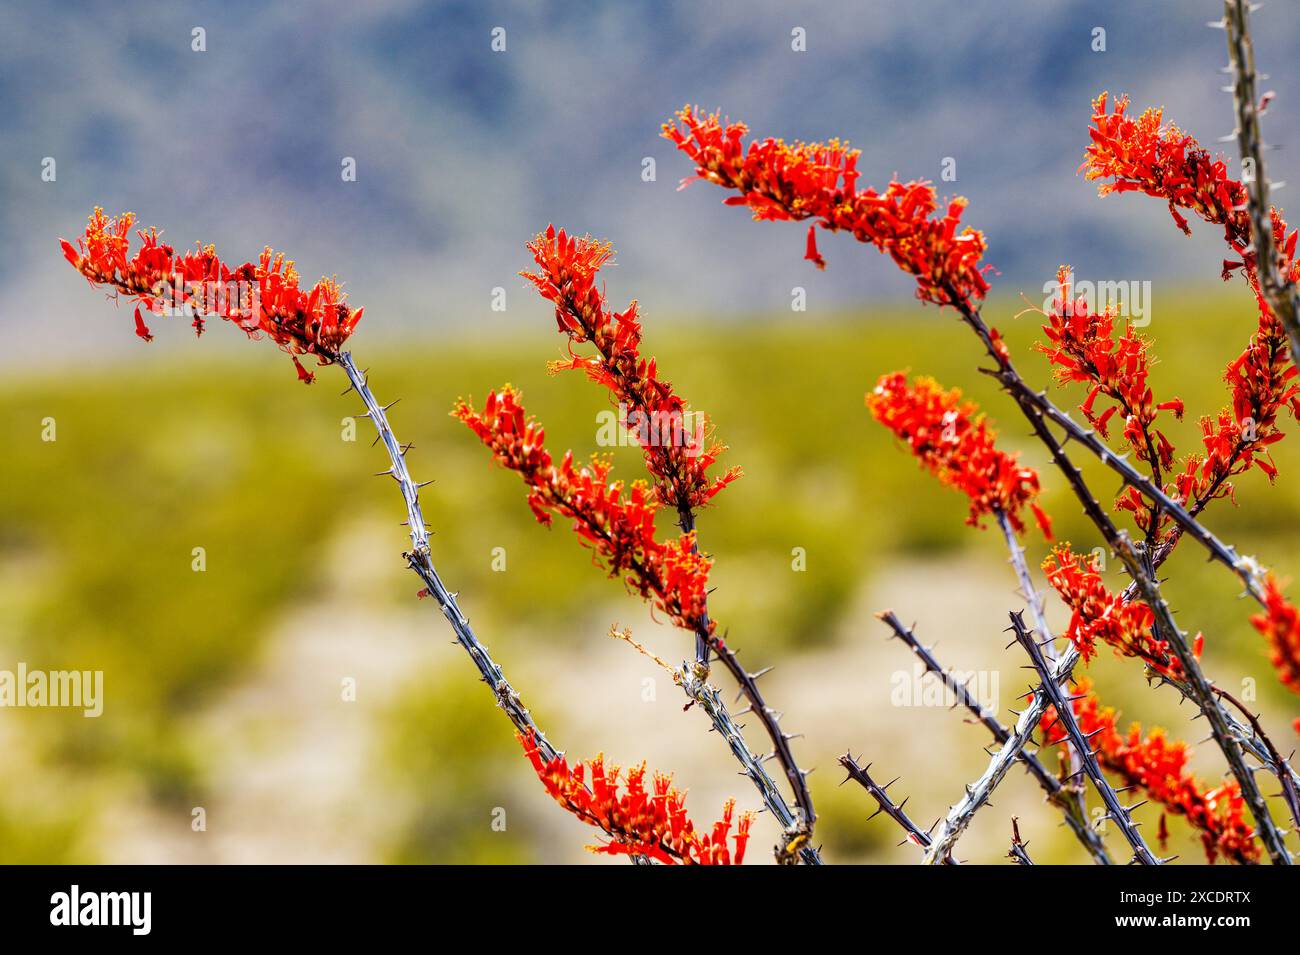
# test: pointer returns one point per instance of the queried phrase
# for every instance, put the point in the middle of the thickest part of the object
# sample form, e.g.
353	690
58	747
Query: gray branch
421	562
795	841
1280	293
1065	716
1075	814
978	792
1038	612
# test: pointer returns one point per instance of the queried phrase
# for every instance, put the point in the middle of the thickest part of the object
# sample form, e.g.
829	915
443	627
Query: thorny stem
978	792
1038	612
686	521
1247	569
1065	716
796	839
1195	686
1280	767
768	717
1198	688
748	683
1251	734
421	562
896	812
1019	848
801	833
1075	815
1281	294
1027	588
1166	546
1037	408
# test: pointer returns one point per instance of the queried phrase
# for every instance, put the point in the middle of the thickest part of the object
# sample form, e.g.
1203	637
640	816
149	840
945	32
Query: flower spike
260	299
639	821
1099	615
955	444
676	451
1280	625
819	181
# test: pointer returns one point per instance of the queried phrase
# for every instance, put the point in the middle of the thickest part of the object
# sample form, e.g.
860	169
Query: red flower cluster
617	526
261	298
1147	155
956	445
1280	625
1099	615
640	822
675	452
1262	382
1083	345
819	181
1158	766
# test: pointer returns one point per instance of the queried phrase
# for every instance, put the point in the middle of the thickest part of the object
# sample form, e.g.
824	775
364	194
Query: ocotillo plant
1125	425
818	183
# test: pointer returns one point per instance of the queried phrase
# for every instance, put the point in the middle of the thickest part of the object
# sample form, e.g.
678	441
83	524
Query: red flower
262	298
675	452
1083	345
1280	625
651	823
1098	614
818	181
1262	382
1161	160
618	526
1158	766
956	445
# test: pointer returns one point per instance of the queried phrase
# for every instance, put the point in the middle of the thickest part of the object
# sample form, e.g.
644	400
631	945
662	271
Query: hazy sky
462	152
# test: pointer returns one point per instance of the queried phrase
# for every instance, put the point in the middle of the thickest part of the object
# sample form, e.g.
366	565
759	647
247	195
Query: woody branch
884	804
1019	851
796	838
1122	815
978	793
421	562
1038	613
1281	294
1071	808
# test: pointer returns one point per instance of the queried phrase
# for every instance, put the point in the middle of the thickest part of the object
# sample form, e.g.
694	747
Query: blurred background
224	688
